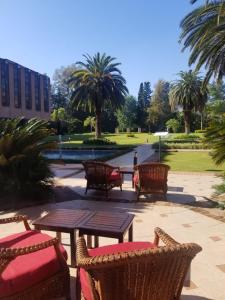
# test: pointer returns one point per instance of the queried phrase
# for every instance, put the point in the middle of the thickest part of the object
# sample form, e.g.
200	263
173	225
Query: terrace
184	216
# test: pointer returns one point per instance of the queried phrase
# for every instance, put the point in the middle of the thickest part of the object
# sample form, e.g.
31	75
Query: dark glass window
17	86
28	96
46	93
37	91
5	83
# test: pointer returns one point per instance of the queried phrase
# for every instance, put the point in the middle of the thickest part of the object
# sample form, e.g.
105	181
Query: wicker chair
135	270
32	265
101	176
151	178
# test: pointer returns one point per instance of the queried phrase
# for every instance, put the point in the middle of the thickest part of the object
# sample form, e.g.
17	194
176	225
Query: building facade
23	92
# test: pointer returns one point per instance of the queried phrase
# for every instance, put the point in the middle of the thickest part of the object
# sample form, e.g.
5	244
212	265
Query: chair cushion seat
115	175
136	179
121	247
29	269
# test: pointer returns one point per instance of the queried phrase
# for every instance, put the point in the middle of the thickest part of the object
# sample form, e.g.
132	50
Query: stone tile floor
208	268
174	216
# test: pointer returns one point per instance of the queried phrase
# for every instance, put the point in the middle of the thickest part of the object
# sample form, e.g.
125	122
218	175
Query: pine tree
147	93
141	114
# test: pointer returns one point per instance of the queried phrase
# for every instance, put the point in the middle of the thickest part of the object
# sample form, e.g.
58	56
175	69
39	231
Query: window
46	93
37	92
28	96
5	83
17	86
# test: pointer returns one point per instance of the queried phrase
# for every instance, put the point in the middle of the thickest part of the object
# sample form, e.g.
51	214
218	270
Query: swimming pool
79	155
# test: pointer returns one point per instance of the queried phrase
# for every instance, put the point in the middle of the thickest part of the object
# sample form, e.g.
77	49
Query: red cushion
115	175
29	269
136	179
121	247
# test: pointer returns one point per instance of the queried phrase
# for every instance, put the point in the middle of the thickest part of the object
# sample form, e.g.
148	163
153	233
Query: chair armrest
19	218
13	252
8	254
82	251
163	236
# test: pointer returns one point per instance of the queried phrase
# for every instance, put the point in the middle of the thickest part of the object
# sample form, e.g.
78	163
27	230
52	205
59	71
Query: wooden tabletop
101	222
63	220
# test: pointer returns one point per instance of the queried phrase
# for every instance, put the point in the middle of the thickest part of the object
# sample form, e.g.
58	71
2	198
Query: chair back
152	274
97	172
153	176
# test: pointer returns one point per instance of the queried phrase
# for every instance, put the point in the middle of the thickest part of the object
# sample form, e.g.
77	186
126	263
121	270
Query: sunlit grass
122	139
192	161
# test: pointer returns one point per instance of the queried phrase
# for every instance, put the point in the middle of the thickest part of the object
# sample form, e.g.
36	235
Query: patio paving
174	216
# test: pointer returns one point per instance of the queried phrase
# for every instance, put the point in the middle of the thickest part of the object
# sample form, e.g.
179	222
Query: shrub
173	125
23	169
181	146
200	131
130	135
102	141
186	136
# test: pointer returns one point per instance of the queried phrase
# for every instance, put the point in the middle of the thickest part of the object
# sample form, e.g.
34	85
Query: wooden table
108	224
130	171
97	223
63	220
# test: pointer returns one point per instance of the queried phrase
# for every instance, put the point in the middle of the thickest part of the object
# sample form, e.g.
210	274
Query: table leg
132	180
59	236
89	241
73	248
130	233
96	238
120	239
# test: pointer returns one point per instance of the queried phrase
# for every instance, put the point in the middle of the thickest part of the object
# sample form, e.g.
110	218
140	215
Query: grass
122	140
191	162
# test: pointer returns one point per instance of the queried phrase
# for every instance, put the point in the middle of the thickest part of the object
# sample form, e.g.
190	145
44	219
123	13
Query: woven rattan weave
150	274
57	285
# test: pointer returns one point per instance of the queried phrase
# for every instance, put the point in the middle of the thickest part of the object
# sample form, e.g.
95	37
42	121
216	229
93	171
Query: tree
203	33
96	83
215	136
126	116
173	125
147	93
61	91
89	121
187	93
23	169
216	91
144	97
159	111
58	115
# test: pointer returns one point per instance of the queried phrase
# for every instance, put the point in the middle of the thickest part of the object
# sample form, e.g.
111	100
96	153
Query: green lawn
191	161
121	139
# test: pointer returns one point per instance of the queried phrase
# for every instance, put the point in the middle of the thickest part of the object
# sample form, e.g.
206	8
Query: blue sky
142	34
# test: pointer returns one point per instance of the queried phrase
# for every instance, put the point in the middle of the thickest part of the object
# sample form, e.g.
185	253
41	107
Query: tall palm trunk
187	121
98	125
201	120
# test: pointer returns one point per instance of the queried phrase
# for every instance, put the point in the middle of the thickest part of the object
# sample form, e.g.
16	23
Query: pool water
79	155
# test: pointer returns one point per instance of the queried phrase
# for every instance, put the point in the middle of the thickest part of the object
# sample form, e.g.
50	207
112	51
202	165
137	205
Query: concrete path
126	160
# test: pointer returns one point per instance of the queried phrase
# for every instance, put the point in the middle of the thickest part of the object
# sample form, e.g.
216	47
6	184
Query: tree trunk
98	125
201	120
187	121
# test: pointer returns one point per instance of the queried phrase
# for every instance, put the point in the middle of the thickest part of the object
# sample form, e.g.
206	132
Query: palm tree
187	93
215	136
96	83
23	169
203	32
